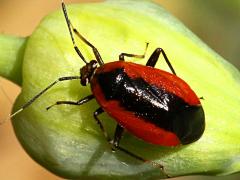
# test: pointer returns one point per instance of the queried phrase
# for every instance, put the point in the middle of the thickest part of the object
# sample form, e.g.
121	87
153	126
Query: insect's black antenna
94	49
42	92
32	100
71	34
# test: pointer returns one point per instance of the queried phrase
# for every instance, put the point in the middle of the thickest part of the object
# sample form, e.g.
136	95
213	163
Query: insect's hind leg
122	55
115	143
116	146
154	58
117	137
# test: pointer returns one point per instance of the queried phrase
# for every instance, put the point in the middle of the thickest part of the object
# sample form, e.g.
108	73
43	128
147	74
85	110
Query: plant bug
154	105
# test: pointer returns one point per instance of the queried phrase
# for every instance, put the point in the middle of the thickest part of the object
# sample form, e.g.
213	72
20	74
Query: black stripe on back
149	102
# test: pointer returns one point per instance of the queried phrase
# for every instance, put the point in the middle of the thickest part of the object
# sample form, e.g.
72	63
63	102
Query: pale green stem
11	57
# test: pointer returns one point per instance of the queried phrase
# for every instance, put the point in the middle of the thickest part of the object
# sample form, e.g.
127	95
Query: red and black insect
152	104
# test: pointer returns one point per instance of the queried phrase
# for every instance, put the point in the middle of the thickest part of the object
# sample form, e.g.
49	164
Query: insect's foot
49	107
157	165
111	143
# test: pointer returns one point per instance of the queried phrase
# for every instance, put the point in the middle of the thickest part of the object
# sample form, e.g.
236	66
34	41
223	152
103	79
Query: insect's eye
93	64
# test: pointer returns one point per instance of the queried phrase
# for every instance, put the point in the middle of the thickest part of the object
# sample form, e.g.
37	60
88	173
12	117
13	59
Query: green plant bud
66	139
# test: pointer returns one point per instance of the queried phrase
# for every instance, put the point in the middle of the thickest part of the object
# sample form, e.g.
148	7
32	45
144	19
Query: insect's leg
154	58
116	141
78	103
71	34
122	55
96	114
43	91
117	137
71	27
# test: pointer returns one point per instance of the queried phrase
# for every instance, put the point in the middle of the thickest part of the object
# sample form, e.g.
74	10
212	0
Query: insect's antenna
34	98
8	118
70	31
67	78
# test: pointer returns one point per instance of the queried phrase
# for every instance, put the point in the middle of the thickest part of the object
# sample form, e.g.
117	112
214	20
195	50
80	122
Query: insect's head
87	71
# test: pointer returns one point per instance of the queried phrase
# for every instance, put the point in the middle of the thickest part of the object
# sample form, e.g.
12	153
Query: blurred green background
216	22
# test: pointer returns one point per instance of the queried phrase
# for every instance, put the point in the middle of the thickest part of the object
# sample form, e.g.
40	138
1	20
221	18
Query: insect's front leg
122	55
78	103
